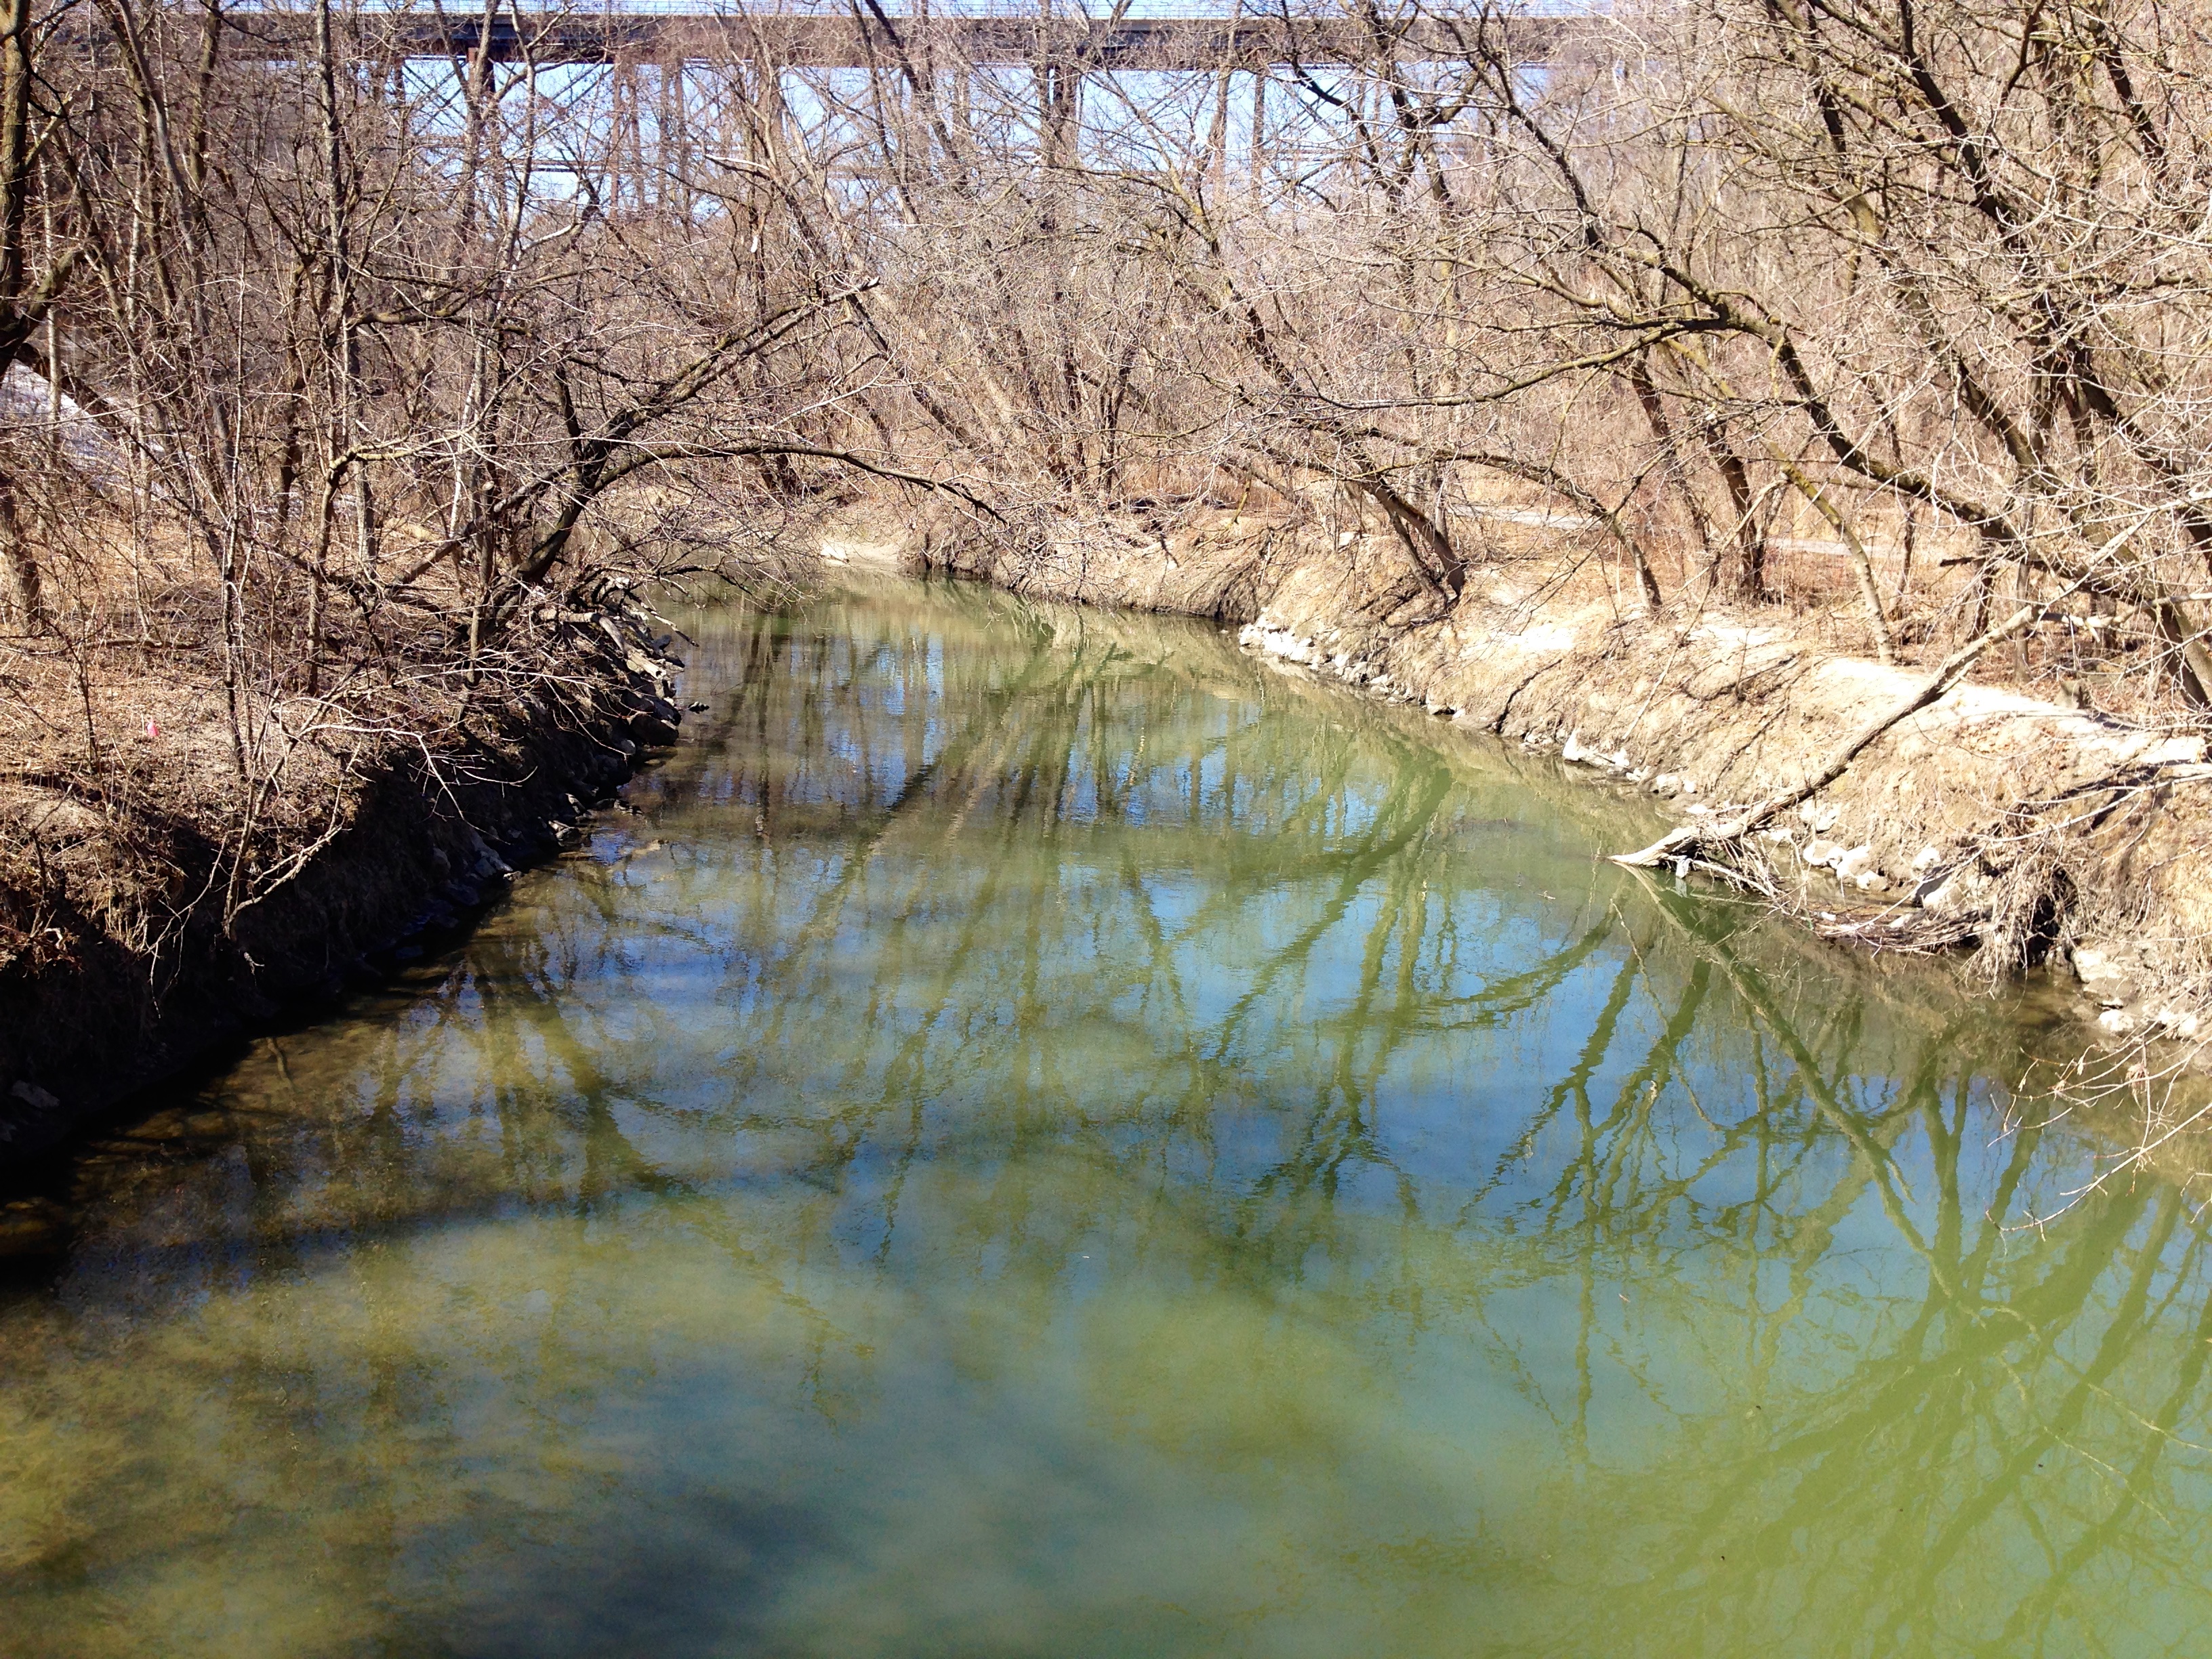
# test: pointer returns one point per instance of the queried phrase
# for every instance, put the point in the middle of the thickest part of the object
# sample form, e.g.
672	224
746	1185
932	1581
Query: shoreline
1701	712
2046	836
421	853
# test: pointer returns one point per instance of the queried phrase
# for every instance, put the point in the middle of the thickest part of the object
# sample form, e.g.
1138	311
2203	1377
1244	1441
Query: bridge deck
816	39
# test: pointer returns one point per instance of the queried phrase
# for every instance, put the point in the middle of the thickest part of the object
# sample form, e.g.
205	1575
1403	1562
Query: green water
1038	1135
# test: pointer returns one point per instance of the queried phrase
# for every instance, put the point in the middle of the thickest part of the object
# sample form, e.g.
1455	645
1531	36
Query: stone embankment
2046	835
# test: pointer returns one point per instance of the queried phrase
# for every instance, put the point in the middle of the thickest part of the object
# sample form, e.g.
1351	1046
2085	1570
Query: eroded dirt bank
131	969
2046	834
2042	835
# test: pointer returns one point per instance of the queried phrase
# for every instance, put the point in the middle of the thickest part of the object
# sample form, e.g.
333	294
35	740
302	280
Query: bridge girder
800	41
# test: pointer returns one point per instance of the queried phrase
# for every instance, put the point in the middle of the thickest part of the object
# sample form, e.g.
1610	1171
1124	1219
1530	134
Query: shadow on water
1038	1135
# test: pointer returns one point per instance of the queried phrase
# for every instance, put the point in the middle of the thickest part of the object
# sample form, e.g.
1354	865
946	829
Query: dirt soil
116	965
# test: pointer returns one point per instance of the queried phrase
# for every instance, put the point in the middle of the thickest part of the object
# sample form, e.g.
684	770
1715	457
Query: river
1032	1133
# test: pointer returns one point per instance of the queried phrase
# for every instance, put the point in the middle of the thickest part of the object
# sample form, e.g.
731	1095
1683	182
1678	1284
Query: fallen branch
1702	842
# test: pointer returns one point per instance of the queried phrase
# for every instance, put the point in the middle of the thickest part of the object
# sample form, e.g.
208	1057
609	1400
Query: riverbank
2040	836
130	953
2050	836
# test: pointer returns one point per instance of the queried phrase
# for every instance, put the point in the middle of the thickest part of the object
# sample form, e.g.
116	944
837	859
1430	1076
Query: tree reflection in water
1040	1136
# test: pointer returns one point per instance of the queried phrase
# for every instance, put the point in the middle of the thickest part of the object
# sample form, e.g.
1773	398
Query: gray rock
1855	863
1964	891
1819	816
2105	974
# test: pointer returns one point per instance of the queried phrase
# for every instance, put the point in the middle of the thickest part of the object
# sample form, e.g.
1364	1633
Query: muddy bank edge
421	851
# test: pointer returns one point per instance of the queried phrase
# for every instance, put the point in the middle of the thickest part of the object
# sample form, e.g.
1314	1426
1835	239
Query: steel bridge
861	40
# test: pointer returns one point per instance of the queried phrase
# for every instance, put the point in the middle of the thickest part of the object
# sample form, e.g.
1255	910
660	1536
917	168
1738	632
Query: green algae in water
1040	1136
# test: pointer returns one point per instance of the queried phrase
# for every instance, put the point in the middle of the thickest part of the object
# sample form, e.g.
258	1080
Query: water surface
1034	1134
